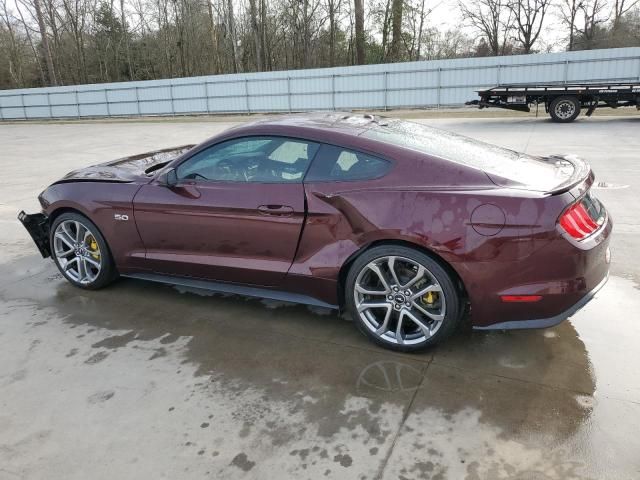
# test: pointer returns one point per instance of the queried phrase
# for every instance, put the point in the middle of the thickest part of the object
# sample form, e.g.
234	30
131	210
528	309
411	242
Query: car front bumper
37	224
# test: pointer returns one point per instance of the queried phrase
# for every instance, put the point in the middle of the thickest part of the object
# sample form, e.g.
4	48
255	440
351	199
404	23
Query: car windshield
495	161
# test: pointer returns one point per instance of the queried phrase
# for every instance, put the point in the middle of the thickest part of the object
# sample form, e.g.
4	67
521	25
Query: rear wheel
401	298
81	252
564	109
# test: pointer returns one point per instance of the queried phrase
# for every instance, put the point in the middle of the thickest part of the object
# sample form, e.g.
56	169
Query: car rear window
339	164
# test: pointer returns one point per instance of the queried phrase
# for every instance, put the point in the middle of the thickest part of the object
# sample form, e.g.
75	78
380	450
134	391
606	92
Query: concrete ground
144	381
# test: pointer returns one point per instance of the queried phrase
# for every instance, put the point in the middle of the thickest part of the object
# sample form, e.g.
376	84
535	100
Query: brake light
582	218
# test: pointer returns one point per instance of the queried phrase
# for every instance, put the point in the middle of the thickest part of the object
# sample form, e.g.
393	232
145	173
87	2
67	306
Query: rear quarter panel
485	257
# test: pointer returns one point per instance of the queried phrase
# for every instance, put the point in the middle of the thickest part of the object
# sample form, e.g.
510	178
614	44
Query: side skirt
233	288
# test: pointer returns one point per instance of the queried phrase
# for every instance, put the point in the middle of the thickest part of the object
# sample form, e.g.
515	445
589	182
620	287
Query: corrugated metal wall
435	83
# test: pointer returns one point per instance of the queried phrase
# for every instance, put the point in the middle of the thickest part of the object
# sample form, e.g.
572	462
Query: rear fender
340	225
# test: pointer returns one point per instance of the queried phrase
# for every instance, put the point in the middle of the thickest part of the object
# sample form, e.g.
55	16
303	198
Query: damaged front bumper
37	225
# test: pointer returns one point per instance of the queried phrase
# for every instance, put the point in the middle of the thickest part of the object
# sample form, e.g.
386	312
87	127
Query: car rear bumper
37	225
563	277
549	321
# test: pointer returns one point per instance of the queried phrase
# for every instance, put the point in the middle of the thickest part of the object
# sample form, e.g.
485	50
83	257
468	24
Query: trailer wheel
564	109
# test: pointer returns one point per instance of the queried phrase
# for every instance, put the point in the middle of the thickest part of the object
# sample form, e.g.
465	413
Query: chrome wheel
565	109
77	251
399	300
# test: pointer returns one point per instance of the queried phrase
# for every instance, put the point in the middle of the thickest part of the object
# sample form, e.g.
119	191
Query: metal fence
437	83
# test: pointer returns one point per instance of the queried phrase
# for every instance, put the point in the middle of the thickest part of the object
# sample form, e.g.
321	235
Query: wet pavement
143	380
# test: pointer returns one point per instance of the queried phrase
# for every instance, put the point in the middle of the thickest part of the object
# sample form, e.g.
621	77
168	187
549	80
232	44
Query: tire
86	263
564	109
433	299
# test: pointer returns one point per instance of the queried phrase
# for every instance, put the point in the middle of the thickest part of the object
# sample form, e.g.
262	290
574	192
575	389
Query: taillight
583	217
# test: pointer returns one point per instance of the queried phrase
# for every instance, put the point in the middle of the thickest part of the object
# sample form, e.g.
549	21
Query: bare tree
75	13
620	8
591	21
125	35
35	50
333	8
263	35
15	62
414	22
231	27
396	30
386	25
214	39
44	45
253	12
47	42
310	27
360	38
423	15
528	16
569	11
493	19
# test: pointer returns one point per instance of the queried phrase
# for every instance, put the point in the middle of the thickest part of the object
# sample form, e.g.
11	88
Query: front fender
102	203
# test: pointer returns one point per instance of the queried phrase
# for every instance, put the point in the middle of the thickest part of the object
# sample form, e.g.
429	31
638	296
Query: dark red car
405	226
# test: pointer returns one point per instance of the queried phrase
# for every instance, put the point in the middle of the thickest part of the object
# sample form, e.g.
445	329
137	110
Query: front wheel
401	298
81	252
564	109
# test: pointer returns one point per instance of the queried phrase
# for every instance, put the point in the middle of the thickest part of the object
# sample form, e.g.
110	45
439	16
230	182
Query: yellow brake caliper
430	298
93	246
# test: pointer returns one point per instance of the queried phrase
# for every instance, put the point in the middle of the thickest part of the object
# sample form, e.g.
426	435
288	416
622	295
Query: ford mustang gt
408	228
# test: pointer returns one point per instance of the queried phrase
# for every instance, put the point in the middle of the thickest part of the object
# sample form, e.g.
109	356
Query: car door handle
282	210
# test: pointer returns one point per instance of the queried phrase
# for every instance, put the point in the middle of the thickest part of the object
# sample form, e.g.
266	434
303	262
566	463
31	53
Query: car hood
127	169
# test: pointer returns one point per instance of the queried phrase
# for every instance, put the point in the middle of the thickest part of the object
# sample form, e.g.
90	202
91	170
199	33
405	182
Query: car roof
330	122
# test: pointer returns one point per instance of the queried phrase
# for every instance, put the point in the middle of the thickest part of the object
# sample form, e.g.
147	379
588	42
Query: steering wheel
237	168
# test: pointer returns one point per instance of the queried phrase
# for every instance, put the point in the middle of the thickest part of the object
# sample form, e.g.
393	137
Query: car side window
251	159
334	163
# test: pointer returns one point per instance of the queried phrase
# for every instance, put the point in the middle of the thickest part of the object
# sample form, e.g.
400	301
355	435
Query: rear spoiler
581	179
581	187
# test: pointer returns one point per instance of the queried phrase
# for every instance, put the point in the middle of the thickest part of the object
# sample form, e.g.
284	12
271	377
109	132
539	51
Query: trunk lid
126	169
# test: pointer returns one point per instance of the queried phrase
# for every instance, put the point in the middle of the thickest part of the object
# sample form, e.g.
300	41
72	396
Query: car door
235	213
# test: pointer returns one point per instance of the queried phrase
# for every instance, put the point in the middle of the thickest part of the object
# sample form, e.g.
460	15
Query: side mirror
172	178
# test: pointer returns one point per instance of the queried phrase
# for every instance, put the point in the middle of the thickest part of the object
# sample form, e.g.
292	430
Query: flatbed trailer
562	102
